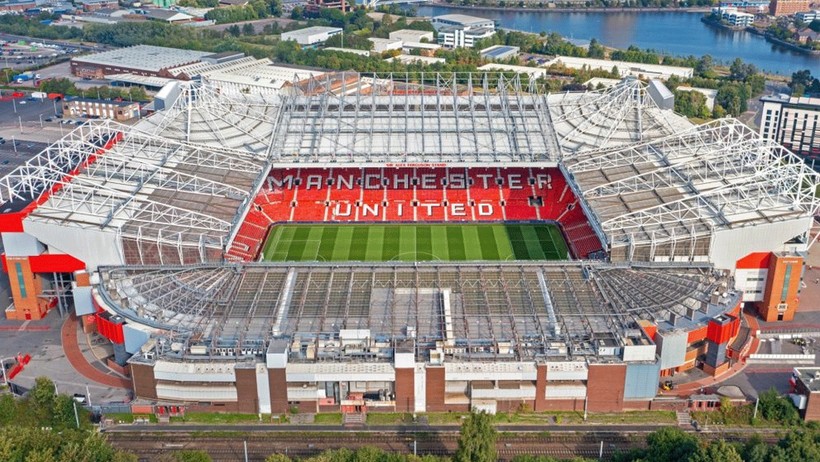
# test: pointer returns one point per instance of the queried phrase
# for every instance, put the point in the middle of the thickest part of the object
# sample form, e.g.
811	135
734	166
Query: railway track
149	445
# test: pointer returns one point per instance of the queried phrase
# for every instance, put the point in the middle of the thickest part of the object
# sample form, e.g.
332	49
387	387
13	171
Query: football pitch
415	242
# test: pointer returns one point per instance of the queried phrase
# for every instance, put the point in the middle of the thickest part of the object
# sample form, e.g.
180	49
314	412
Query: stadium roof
719	175
533	309
143	188
437	121
645	175
343	119
622	114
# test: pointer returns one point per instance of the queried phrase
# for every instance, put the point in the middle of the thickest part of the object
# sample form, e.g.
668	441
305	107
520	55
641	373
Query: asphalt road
64	43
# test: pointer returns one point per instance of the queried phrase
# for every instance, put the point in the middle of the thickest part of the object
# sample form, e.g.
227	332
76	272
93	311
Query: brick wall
405	390
540	388
143	381
247	401
277	381
435	388
605	387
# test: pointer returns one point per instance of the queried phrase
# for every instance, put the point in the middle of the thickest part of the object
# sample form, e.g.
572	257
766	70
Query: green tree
668	444
278	458
803	81
716	451
192	456
776	408
705	66
41	399
476	442
595	50
739	70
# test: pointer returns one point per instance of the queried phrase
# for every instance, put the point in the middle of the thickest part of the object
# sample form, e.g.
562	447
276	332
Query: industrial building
500	52
380	45
793	122
153	233
412	35
310	36
409	59
145	60
640	70
532	72
120	111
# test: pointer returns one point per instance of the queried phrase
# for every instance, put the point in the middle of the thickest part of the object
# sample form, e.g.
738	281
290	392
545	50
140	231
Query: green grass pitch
415	242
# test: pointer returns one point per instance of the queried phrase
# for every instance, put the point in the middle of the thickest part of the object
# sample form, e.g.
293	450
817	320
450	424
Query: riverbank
772	39
670	32
709	21
536	8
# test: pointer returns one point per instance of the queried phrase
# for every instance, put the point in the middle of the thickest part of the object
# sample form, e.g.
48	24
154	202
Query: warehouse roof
143	57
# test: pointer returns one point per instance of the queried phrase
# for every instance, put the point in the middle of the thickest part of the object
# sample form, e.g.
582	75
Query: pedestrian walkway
75	356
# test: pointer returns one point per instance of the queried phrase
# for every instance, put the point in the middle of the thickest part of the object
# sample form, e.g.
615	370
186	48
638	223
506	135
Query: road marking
23	327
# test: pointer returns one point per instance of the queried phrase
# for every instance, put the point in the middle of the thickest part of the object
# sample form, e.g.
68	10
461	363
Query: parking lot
21	54
33	120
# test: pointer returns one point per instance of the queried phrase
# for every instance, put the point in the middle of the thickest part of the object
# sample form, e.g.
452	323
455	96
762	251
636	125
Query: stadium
410	244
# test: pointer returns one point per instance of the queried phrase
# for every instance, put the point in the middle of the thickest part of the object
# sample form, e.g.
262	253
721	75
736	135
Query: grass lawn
217	418
415	242
333	418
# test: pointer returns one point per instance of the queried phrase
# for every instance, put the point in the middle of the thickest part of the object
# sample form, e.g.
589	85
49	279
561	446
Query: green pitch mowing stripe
358	246
328	242
472	242
375	245
415	242
424	242
407	245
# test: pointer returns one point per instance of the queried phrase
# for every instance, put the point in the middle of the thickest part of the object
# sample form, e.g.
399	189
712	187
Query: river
674	32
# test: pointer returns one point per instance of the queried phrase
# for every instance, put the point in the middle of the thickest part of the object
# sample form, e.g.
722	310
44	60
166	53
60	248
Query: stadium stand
415	194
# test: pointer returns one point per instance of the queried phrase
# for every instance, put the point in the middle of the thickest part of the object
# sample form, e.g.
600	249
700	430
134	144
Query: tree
192	456
669	444
476	442
234	30
705	65
41	399
716	451
247	29
802	81
738	70
596	50
776	408
277	458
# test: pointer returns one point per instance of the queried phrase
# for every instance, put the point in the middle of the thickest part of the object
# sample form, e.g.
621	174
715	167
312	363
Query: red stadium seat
406	194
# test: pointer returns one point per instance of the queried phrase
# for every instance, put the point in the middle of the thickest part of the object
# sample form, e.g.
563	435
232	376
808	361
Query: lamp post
76	416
